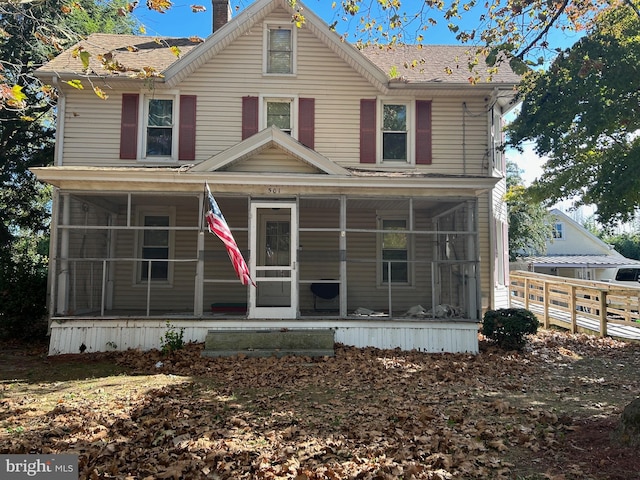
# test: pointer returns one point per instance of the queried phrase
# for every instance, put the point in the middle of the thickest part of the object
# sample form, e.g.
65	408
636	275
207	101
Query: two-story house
362	201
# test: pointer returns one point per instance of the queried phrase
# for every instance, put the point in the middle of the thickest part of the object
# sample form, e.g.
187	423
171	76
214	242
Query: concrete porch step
265	343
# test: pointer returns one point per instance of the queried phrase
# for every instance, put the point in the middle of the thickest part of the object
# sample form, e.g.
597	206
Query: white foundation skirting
431	336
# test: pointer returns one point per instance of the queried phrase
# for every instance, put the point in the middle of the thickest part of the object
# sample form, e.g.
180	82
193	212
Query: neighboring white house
574	252
383	193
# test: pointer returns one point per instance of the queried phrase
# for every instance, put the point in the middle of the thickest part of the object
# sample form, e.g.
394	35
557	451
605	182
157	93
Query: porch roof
184	180
579	261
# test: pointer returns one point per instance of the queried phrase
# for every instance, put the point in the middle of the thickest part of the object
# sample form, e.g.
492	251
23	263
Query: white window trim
411	126
143	109
394	215
265	48
140	213
262	111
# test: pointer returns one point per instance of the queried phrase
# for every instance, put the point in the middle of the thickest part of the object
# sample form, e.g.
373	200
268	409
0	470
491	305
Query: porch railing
96	275
574	303
89	285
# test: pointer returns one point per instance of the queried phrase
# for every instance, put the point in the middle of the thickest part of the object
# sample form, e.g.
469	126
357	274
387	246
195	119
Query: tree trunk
628	431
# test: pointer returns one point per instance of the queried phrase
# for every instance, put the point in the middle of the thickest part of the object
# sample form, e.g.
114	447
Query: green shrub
508	327
172	340
23	305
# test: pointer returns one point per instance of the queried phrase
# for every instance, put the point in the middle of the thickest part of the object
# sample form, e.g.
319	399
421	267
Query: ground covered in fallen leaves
545	413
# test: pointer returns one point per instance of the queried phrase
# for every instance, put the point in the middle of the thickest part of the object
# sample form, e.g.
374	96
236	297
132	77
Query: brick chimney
221	13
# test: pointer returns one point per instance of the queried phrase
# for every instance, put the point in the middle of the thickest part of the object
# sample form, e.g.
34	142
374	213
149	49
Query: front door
274	239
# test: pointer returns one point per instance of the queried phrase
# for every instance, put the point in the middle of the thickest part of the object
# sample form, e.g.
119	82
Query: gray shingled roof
436	63
602	261
134	52
432	63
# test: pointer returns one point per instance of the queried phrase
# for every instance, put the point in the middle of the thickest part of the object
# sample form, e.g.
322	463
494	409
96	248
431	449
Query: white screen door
274	239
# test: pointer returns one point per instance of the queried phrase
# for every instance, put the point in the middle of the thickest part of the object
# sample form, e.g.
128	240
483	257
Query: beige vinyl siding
271	160
337	102
92	125
459	136
92	129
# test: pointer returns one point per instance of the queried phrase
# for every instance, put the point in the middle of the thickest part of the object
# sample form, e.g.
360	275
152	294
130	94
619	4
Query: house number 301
273	190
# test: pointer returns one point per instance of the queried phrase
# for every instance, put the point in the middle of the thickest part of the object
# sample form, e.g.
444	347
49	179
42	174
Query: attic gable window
558	231
279	51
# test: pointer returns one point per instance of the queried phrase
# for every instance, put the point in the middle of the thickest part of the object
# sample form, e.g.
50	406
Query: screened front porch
149	255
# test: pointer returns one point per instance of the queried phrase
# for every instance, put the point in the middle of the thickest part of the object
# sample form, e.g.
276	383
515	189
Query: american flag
218	225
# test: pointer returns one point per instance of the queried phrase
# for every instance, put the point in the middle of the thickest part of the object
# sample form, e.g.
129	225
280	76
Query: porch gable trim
266	138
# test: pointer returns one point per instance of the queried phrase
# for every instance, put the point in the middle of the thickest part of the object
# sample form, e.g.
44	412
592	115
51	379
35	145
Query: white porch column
472	248
198	292
111	267
343	255
62	302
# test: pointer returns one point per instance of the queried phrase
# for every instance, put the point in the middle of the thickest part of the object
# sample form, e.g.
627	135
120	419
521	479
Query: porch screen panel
457	269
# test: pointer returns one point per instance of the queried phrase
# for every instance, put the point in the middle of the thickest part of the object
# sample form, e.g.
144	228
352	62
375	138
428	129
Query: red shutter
367	131
129	127
423	132
249	116
306	122
187	129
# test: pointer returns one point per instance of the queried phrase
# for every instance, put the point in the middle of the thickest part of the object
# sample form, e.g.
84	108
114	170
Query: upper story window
295	116
395	133
558	231
160	126
279	114
279	49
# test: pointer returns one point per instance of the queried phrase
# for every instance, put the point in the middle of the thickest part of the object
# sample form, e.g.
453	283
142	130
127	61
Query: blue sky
180	21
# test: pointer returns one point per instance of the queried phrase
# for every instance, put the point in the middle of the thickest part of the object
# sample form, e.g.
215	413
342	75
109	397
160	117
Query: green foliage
530	224
23	288
583	115
509	326
627	244
30	33
172	340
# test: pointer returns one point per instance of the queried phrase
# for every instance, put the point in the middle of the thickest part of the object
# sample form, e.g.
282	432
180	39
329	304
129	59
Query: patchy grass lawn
545	413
